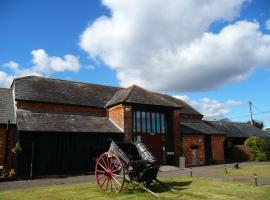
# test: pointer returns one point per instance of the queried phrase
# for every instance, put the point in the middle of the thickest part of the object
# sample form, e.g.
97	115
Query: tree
257	124
260	147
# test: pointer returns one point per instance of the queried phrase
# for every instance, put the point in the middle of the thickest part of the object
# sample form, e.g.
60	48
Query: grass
262	171
187	189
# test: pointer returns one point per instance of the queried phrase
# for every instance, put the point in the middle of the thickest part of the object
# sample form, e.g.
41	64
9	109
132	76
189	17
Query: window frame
150	120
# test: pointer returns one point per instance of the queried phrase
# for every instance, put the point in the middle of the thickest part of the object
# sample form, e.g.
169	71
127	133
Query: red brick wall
3	134
176	130
218	148
121	115
116	114
193	140
100	112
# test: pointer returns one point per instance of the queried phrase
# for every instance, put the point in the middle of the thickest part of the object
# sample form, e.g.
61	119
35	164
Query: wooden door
154	144
208	148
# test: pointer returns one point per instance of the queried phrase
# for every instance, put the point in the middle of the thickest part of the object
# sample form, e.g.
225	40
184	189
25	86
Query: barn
62	126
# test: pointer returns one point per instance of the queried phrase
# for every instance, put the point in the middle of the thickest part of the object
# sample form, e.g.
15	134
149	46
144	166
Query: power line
258	113
257	108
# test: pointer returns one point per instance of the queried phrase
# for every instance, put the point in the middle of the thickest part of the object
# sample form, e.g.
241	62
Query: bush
261	157
260	147
240	153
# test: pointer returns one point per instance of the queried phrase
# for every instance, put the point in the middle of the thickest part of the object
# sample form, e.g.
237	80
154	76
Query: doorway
208	148
154	144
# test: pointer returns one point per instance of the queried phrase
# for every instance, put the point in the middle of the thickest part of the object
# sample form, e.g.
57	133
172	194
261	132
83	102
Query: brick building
62	126
7	127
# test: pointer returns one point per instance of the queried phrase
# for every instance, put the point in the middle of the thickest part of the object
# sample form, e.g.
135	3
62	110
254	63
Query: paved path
45	182
208	172
166	171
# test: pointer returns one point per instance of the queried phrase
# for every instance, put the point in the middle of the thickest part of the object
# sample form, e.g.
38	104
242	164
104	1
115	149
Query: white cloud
166	46
211	108
12	65
5	79
233	103
267	24
43	65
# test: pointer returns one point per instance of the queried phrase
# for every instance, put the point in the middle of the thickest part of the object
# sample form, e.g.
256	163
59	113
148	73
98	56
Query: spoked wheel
110	172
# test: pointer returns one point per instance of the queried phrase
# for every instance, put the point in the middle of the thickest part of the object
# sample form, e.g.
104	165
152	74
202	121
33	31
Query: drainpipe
6	146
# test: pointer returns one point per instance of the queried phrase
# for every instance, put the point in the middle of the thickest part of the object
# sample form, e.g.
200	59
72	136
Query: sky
214	54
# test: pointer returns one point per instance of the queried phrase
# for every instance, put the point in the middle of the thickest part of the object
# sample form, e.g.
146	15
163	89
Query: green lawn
262	171
187	188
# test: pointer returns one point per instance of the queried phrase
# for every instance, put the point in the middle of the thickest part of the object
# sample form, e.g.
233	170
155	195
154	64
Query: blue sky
114	54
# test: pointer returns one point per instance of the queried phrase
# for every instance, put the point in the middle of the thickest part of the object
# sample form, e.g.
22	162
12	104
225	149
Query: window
143	122
163	123
153	122
158	122
138	124
149	122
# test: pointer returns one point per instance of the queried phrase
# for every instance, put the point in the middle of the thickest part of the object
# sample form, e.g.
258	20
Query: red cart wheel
110	172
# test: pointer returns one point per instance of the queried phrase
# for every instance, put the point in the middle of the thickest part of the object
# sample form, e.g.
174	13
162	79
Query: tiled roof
186	108
47	90
6	106
39	89
52	122
199	127
138	95
231	129
236	129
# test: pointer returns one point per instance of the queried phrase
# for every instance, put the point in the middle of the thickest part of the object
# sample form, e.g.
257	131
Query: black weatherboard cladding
63	153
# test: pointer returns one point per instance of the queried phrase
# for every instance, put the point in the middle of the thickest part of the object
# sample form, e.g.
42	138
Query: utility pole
250	112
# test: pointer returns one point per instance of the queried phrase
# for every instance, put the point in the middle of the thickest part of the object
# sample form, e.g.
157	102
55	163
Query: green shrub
260	147
261	157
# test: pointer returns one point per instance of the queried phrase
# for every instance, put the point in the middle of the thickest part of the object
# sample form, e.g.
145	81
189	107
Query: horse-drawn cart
132	163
